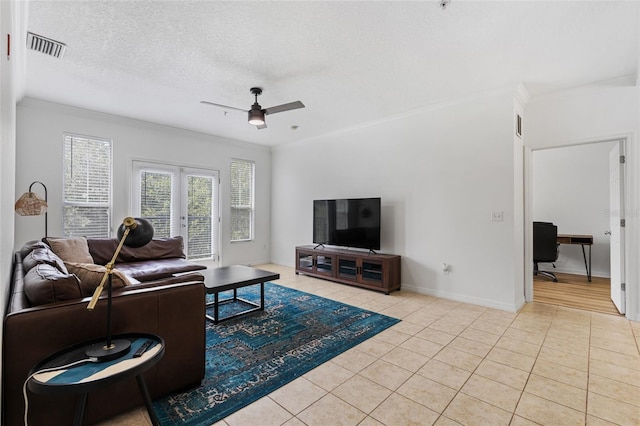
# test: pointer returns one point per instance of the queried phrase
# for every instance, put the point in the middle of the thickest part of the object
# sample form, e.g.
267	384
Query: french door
180	201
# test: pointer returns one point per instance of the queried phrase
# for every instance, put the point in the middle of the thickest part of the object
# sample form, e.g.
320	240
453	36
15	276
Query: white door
180	201
616	218
199	213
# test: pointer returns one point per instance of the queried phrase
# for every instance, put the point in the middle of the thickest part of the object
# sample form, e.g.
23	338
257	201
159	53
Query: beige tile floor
450	363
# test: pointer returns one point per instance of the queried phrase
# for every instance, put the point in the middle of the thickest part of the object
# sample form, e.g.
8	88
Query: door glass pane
324	264
305	261
155	200
372	271
200	216
347	268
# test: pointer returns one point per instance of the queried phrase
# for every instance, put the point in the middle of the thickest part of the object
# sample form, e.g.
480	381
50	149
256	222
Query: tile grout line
548	328
458	391
513	415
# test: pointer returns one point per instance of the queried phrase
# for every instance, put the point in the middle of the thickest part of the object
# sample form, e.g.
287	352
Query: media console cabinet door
372	272
311	262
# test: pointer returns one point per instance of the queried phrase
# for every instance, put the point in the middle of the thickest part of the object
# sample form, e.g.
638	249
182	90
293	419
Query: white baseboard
488	303
602	274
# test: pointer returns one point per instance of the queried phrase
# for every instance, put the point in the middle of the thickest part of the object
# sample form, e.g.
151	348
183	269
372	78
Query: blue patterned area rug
251	356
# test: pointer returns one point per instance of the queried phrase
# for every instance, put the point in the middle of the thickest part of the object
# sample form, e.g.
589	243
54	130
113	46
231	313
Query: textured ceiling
350	63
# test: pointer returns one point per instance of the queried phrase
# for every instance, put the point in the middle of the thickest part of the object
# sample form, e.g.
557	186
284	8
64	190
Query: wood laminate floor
574	291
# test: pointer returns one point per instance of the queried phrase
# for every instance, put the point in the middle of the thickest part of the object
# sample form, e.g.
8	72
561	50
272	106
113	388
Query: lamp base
119	348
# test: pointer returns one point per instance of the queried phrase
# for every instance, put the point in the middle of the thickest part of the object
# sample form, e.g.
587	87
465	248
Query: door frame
630	201
183	170
620	301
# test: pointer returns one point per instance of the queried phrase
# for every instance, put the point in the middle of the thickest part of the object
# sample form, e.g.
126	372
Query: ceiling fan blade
284	107
222	106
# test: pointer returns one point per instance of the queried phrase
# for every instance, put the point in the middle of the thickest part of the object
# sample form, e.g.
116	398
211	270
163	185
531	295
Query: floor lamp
30	204
132	233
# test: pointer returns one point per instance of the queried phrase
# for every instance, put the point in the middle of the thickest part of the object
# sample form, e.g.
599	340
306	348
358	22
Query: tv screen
352	222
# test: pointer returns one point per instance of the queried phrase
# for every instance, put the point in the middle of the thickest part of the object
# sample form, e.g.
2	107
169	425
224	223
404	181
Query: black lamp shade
140	233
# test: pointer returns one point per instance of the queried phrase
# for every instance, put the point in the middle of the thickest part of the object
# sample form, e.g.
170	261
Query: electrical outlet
497	216
445	268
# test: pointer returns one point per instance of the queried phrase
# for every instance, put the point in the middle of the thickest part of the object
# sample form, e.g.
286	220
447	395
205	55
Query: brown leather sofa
155	301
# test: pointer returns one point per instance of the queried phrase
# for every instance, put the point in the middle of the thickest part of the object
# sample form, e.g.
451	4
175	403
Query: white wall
440	174
571	189
7	155
11	23
40	127
582	115
588	115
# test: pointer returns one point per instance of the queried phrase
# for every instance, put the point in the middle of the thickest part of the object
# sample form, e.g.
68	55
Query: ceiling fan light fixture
256	116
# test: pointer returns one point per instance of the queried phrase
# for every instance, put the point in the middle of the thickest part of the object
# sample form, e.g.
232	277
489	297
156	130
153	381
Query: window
179	201
86	186
242	184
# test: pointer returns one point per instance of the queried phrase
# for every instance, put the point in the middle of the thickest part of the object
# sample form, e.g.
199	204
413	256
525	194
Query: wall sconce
31	204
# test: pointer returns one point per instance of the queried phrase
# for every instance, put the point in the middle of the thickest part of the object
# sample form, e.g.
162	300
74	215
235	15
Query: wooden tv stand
380	272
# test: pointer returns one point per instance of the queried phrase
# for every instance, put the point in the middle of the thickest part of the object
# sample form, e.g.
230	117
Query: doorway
571	291
570	186
180	201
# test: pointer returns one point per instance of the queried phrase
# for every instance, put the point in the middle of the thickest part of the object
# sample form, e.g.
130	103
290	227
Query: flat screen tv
348	222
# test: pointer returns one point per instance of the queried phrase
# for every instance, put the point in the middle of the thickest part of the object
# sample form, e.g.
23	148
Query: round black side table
84	375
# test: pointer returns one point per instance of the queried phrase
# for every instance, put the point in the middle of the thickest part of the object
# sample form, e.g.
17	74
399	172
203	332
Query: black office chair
545	247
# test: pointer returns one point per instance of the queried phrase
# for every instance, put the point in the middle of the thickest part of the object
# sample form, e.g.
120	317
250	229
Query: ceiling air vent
45	45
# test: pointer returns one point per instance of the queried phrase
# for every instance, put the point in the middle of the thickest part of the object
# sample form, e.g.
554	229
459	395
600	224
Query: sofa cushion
26	249
90	276
157	269
71	249
46	284
102	249
43	254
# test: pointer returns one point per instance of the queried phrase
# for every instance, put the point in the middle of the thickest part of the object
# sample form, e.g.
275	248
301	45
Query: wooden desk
582	240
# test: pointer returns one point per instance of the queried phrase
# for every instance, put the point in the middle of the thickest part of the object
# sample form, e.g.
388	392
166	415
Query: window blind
156	200
87	164
200	216
242	200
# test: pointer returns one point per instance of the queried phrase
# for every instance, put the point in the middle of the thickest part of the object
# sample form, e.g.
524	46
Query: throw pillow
43	255
46	284
90	276
26	249
102	249
71	249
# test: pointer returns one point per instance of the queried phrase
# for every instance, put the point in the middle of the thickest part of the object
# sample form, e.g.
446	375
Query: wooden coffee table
232	278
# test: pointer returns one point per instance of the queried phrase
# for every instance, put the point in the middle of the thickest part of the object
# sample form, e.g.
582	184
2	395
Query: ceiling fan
257	113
